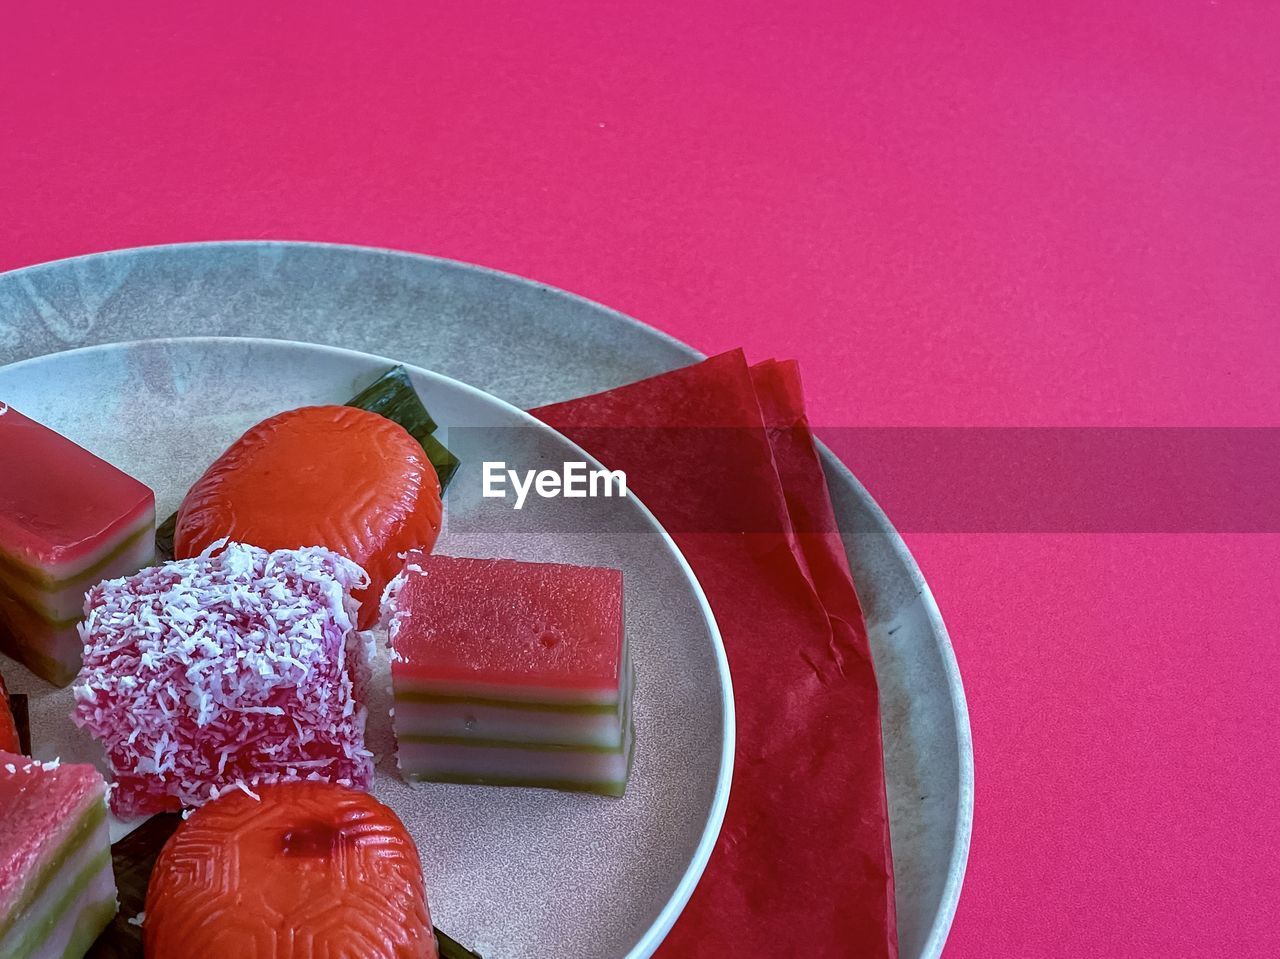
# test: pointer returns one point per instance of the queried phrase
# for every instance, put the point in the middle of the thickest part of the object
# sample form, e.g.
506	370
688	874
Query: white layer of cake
513	722
517	765
51	652
66	602
46	928
602	700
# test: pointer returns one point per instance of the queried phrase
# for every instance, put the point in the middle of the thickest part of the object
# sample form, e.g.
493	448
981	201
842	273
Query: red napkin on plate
722	455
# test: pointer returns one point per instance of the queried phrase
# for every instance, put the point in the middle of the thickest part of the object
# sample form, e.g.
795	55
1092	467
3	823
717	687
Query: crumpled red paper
722	455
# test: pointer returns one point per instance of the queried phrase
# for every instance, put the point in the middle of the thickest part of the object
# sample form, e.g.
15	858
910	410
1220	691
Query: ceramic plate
532	344
510	872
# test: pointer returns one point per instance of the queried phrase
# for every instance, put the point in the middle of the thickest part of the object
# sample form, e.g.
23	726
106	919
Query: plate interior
510	872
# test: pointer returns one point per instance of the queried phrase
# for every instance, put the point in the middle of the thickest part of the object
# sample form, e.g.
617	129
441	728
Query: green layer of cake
84	828
563	785
450	720
40	616
32	643
419	695
39	578
408	688
603	787
93	919
503	762
505	744
49	921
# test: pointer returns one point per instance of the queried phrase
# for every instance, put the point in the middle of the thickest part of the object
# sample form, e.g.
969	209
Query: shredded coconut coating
234	668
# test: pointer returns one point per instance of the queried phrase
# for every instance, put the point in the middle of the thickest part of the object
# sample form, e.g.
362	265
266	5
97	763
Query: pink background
1014	213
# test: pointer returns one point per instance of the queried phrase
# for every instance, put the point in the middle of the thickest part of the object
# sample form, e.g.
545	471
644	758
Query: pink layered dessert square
57	889
67	520
511	673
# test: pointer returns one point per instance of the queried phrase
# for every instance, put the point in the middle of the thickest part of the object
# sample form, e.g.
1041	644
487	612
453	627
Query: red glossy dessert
298	870
333	476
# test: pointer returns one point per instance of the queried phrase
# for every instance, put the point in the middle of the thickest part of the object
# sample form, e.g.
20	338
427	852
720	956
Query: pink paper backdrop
984	213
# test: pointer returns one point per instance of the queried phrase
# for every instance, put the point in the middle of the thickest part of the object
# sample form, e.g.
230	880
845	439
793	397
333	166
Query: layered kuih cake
67	520
57	890
510	673
235	667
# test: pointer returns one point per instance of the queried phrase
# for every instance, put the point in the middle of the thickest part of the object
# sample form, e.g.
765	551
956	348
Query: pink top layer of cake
60	504
40	804
506	623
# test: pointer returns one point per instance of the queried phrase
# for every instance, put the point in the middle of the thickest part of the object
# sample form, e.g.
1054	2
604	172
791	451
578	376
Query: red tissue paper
722	454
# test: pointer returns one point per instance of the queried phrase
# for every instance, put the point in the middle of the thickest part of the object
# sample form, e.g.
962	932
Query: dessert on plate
231	681
510	673
67	520
333	476
298	870
57	890
234	667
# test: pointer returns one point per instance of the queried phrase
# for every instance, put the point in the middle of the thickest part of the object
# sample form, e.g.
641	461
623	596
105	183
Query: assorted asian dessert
67	520
332	476
510	673
57	889
229	682
236	666
299	870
